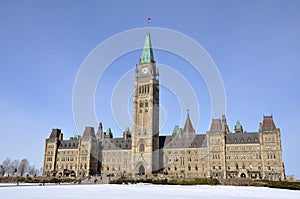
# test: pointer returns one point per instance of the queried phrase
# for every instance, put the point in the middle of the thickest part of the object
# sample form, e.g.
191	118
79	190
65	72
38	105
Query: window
249	156
49	159
142	148
236	166
250	166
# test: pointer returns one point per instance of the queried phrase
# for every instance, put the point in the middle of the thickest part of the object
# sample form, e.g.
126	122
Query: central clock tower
145	127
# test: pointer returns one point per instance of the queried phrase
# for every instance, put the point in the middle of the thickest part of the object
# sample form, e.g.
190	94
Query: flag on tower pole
149	19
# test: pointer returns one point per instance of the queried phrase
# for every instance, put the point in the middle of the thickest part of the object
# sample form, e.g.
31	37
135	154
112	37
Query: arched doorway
243	175
142	170
73	174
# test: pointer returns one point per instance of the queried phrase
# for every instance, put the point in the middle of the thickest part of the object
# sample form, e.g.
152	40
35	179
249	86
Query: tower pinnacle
147	54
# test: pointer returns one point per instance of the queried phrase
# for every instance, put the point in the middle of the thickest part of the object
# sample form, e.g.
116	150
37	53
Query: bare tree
23	167
14	166
18	167
2	170
6	166
32	170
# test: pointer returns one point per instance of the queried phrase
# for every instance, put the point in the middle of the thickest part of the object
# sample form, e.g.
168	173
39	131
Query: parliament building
218	153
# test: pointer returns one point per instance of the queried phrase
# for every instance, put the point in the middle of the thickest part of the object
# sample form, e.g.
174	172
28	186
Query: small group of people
42	183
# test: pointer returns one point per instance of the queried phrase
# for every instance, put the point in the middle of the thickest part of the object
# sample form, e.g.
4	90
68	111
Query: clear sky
255	44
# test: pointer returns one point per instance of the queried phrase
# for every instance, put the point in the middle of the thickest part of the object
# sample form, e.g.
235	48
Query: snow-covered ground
143	191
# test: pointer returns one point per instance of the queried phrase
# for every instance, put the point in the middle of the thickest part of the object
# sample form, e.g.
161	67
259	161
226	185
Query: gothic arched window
142	148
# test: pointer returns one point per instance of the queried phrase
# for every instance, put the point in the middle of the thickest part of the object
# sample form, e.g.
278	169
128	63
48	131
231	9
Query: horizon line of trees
18	168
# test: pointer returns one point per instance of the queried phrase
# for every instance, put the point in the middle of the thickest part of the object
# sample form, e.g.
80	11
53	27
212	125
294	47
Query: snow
143	191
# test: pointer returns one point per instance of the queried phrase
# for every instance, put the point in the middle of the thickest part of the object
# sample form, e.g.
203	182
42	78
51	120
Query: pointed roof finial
188	110
147	54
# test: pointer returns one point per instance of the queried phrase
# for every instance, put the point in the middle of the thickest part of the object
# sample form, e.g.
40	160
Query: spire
188	127
147	55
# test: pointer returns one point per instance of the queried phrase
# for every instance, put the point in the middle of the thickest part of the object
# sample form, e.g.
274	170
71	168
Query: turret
126	133
238	128
99	134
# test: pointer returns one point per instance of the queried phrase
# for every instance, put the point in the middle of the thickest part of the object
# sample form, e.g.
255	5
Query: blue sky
255	44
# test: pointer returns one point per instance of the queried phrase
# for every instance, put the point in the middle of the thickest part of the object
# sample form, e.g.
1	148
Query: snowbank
143	191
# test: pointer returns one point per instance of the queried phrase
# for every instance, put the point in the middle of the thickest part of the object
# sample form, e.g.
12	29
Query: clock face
144	70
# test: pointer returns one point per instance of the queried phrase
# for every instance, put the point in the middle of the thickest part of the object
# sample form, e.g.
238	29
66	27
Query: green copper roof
108	131
238	124
127	129
147	55
175	130
77	137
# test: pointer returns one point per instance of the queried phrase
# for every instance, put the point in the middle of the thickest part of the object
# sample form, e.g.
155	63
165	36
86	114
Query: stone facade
218	153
